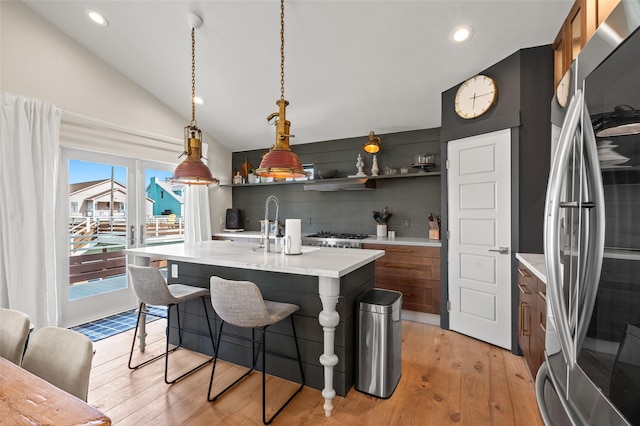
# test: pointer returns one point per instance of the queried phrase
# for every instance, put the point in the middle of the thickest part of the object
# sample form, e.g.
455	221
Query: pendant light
280	161
373	145
192	171
623	121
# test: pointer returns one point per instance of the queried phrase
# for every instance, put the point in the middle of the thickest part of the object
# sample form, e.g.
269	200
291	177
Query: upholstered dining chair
152	289
62	357
14	330
240	303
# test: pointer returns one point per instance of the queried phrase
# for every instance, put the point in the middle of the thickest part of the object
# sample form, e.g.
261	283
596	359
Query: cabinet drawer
405	251
525	275
385	271
417	298
383	280
542	313
427	255
542	290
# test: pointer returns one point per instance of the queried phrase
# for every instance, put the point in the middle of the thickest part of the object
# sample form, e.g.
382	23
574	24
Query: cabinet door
524	318
561	60
412	270
541	327
604	8
577	29
528	318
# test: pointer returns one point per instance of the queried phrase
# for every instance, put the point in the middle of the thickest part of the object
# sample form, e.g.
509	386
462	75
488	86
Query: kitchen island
324	282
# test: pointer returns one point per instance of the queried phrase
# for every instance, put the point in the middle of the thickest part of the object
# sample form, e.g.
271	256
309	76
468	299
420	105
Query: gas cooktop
338	235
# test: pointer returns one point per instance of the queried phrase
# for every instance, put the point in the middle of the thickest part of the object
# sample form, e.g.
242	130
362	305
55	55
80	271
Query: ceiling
351	66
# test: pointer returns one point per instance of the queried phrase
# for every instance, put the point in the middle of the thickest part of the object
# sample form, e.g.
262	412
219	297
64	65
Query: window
74	207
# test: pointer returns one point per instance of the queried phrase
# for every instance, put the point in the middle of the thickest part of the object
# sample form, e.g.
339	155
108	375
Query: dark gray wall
407	198
525	90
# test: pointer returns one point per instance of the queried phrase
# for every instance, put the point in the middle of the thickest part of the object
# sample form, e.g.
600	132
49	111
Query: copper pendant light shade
281	164
192	171
280	161
373	145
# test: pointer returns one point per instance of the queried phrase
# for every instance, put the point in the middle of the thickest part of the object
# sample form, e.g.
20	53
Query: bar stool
152	289
240	303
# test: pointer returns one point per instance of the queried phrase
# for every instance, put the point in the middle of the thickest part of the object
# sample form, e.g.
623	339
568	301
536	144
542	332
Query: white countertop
315	261
401	241
535	263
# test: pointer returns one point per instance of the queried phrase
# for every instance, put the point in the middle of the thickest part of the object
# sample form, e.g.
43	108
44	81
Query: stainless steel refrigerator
591	373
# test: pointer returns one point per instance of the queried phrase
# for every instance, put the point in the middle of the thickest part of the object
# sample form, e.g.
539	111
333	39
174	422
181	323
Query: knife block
434	230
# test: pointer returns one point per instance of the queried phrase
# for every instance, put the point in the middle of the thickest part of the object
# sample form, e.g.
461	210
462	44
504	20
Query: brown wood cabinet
412	270
532	317
584	18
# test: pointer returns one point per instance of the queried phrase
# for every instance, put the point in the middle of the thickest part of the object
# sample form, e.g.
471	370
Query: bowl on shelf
326	173
424	159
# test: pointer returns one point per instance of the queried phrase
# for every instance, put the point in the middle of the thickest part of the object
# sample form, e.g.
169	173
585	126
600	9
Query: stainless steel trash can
379	342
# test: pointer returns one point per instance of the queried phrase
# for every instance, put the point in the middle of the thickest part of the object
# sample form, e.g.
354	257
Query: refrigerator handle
552	235
595	249
543	376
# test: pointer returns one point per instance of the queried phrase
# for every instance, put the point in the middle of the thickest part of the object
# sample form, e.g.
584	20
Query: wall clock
476	96
562	91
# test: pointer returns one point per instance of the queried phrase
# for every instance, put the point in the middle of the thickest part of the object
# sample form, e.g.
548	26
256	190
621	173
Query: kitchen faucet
265	235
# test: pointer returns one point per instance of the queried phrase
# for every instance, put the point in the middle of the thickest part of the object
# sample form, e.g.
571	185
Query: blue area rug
110	326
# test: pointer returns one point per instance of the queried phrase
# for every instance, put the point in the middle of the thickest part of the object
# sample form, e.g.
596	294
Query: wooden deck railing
87	267
91	234
100	265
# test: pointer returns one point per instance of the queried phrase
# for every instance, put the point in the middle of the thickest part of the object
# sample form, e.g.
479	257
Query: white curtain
29	156
197	217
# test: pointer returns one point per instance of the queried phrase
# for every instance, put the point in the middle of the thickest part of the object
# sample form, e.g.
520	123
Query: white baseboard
421	317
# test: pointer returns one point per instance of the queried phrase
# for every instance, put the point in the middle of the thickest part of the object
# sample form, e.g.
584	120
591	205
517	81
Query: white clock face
562	91
475	96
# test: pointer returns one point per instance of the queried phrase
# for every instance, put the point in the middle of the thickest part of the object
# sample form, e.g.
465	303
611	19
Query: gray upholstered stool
240	303
152	290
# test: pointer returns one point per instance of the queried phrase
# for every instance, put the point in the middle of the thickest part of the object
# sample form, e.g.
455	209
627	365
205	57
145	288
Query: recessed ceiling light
97	18
198	100
461	34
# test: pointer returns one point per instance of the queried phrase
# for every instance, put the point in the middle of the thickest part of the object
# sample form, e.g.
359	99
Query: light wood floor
447	378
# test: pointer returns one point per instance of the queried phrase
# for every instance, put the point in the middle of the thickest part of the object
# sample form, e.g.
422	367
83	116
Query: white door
479	193
105	209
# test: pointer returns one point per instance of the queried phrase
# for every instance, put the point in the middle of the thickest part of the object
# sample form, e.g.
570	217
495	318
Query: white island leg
142	330
329	289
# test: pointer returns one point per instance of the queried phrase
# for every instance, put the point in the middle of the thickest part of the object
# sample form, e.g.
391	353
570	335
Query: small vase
237	179
374	168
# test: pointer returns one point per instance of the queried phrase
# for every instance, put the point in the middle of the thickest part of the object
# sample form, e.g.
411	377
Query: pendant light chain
192	171
193	75
280	162
282	49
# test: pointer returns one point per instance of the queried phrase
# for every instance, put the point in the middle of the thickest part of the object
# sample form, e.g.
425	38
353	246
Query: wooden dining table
28	399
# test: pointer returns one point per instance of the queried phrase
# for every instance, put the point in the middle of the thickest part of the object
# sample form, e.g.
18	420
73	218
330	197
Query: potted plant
252	177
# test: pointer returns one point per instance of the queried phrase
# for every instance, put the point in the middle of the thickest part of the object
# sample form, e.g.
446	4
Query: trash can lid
376	298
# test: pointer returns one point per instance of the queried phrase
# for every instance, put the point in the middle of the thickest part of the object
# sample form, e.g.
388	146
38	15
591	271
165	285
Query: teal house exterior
167	200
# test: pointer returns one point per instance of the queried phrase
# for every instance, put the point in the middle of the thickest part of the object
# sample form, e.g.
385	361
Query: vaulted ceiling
351	66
